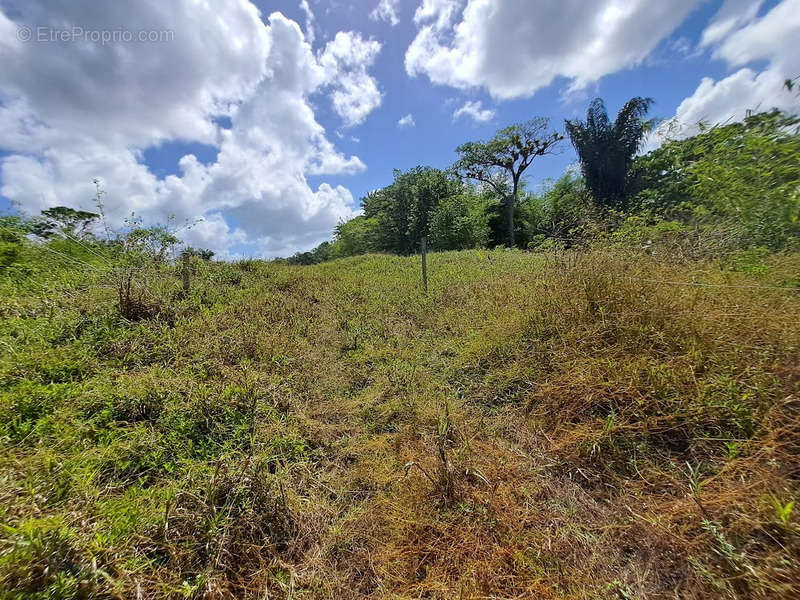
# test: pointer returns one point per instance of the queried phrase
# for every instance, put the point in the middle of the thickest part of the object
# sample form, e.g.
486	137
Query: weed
566	419
783	511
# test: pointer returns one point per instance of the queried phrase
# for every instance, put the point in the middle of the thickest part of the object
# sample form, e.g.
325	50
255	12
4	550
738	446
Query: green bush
356	236
744	177
39	560
12	236
461	222
560	214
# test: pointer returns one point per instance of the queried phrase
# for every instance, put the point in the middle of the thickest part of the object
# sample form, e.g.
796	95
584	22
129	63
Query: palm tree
606	150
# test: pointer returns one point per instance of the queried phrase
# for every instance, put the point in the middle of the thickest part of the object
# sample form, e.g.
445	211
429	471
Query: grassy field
568	425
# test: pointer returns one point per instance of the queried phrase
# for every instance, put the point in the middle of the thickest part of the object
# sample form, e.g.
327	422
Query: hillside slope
539	426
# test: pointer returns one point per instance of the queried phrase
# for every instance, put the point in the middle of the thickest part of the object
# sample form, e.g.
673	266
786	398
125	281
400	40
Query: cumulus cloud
215	227
442	12
386	10
346	59
407	121
72	111
515	47
475	111
136	93
743	43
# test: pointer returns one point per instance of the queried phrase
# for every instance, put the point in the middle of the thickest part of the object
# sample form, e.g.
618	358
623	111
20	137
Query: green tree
606	150
430	187
356	236
12	239
500	162
62	219
462	221
149	244
558	214
401	211
201	253
388	208
744	177
319	254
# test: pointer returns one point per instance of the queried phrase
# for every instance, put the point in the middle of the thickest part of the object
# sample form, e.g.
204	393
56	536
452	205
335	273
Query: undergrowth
551	425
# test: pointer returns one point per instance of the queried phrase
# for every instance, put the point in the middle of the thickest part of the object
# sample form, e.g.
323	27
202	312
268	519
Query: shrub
461	222
560	214
12	236
743	177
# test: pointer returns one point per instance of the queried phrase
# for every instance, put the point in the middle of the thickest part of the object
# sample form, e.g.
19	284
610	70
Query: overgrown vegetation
728	188
557	424
738	181
615	415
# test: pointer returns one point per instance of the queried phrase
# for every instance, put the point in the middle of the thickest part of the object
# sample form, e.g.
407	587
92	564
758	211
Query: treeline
735	185
728	187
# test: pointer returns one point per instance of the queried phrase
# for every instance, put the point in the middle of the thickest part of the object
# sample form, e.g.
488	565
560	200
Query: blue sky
270	127
668	75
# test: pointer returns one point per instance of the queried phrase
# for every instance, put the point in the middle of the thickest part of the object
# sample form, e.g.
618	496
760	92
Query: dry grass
540	426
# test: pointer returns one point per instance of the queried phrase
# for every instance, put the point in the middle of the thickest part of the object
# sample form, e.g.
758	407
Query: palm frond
606	149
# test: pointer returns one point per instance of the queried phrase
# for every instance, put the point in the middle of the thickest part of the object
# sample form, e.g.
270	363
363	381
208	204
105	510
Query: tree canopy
63	219
606	149
402	210
500	162
742	177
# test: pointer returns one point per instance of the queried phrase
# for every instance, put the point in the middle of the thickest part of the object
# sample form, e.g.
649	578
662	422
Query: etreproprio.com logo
44	34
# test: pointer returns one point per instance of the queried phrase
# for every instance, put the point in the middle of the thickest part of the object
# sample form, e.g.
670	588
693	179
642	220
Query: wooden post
186	271
425	264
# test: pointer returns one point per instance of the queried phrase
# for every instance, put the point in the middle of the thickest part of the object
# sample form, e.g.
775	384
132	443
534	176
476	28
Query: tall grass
565	425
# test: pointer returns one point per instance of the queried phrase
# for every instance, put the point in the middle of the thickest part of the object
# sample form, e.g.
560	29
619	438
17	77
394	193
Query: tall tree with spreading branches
606	150
501	161
63	220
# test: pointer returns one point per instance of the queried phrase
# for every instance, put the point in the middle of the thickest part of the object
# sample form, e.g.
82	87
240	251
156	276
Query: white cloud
475	111
771	38
407	121
443	11
732	14
212	229
346	59
730	98
310	35
73	111
386	10
681	46
515	47
136	93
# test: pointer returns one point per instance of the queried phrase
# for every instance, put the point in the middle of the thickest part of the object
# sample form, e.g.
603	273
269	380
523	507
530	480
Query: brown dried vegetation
538	426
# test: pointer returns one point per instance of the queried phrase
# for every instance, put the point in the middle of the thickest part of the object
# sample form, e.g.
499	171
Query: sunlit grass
539	425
